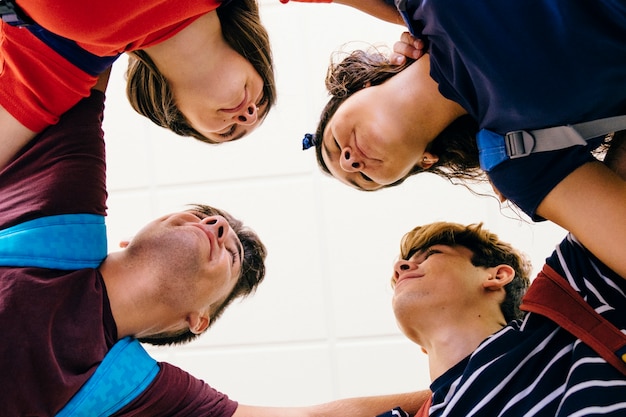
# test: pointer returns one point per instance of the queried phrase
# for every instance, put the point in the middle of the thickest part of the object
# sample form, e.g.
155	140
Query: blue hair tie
308	141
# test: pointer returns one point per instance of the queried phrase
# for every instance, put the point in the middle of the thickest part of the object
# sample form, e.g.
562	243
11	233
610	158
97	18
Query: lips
240	106
210	236
405	277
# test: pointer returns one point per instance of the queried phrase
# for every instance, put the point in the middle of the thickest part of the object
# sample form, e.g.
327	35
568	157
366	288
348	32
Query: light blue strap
125	372
68	242
494	148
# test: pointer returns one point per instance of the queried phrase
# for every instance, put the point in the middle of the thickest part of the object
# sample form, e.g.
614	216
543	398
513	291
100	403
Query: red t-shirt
37	85
56	325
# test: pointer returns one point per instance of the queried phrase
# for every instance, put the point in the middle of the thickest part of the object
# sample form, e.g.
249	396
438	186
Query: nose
219	226
348	162
247	116
400	267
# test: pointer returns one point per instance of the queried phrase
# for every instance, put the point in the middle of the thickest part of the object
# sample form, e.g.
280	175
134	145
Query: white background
320	327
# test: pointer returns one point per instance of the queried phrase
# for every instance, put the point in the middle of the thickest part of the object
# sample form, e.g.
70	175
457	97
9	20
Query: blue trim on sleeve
68	49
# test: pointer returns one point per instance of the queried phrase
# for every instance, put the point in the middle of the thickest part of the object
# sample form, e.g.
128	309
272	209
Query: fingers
407	46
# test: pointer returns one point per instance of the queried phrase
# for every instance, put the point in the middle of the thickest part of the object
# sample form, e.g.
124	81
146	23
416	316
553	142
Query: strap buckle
13	15
519	143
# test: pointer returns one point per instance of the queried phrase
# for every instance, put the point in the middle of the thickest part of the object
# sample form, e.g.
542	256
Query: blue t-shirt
528	64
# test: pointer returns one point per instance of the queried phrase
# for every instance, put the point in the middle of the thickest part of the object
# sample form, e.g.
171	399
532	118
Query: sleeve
526	181
174	392
37	85
64	161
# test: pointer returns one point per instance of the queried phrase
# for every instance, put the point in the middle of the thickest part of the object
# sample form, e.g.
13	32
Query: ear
429	160
499	277
124	244
198	322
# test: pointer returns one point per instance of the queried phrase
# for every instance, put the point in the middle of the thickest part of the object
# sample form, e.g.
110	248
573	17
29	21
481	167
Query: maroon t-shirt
56	325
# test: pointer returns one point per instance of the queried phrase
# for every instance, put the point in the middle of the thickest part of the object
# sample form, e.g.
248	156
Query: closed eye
229	132
366	178
263	100
431	252
234	255
421	255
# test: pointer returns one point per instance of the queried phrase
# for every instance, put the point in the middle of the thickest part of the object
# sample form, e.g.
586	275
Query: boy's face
437	284
195	259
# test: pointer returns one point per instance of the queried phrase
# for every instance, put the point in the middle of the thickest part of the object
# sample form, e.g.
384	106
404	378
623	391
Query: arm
591	204
377	8
103	80
14	137
36	86
349	407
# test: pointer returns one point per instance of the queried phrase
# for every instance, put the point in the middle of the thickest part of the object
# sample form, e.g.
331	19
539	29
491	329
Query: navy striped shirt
532	367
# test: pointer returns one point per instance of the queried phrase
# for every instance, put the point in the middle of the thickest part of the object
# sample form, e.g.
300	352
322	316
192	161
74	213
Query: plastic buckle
13	15
519	143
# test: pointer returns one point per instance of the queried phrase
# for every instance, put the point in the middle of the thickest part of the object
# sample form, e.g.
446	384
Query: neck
425	108
179	57
134	300
447	342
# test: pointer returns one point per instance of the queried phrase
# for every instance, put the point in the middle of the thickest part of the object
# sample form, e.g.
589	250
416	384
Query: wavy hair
455	146
150	94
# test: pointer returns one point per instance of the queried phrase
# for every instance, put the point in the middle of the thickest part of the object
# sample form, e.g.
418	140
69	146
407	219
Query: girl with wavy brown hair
518	84
202	69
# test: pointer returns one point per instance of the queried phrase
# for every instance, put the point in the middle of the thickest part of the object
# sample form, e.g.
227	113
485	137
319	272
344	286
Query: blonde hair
487	249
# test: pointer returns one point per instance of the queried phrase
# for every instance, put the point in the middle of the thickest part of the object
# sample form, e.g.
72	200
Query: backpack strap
67	242
494	148
70	242
424	410
124	373
551	296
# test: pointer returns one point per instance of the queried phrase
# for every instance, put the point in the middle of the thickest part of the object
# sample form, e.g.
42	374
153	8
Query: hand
407	46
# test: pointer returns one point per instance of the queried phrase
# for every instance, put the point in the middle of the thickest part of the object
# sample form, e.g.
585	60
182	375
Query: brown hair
252	273
488	251
455	146
149	92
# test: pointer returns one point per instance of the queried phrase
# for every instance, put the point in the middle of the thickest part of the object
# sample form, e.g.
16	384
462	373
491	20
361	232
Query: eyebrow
326	151
243	133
